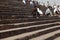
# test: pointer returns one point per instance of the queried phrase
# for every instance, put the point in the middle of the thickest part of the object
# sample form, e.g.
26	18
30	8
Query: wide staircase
30	29
16	25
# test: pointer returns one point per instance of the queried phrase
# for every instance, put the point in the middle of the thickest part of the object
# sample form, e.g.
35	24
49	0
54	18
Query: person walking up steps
37	12
40	12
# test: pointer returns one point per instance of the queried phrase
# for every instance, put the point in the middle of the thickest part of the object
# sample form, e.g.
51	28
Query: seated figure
48	12
56	11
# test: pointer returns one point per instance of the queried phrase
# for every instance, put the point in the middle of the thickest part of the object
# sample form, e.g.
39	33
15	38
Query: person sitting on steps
56	11
48	12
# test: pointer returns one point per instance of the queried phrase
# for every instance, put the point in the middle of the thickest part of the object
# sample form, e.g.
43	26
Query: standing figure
37	12
31	3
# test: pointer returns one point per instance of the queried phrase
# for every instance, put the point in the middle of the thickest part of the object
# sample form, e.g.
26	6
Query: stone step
19	20
34	34
17	16
44	34
18	31
17	25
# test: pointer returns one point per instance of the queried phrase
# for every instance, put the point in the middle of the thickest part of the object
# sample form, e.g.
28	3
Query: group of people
37	12
30	1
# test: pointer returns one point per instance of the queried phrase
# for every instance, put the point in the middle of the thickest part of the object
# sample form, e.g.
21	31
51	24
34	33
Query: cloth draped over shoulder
24	1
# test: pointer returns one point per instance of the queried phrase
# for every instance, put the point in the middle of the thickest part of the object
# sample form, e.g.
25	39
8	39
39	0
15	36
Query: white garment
56	9
48	11
31	2
24	1
39	11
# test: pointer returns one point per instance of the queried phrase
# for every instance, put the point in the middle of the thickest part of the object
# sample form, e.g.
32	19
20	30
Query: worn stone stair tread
27	35
17	25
